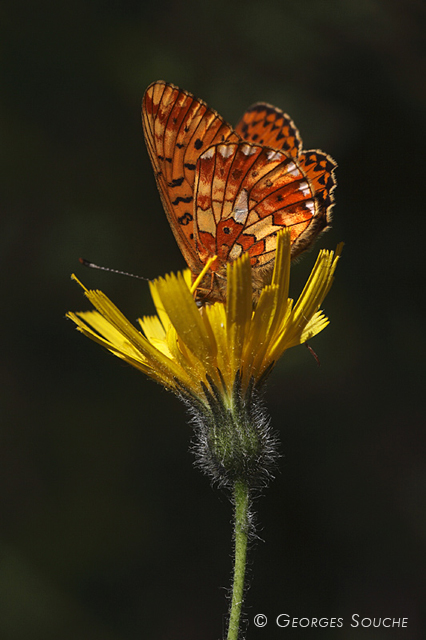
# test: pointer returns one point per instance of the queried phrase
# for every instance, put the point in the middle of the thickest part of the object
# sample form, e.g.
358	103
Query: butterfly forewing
178	128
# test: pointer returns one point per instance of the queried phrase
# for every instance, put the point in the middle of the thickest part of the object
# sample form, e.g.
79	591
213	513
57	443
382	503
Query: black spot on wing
180	199
190	166
185	219
176	182
261	108
310	158
322	162
198	143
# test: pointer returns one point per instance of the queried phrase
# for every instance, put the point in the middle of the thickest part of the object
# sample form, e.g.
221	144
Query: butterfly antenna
92	265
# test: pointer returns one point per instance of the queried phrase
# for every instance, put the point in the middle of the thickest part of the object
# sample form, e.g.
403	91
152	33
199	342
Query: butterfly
228	191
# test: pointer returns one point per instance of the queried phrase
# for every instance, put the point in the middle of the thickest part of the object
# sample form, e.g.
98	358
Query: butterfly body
228	192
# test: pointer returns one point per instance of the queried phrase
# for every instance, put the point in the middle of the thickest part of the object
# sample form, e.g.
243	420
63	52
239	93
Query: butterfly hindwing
268	125
319	168
264	124
178	128
244	194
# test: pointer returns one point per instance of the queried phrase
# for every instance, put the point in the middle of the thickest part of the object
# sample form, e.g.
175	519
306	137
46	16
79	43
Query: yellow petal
260	334
317	323
154	332
238	308
215	314
185	316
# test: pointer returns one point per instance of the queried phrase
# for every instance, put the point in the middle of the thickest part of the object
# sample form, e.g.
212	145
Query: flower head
217	356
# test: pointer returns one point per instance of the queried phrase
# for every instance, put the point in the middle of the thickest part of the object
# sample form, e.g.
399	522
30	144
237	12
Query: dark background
106	530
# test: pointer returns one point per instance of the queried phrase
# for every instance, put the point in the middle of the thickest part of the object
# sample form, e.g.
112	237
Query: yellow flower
184	347
216	356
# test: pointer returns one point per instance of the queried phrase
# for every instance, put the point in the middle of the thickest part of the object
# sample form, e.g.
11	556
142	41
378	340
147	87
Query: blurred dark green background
107	531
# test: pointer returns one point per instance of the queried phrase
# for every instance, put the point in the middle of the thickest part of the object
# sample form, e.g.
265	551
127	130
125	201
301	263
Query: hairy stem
241	502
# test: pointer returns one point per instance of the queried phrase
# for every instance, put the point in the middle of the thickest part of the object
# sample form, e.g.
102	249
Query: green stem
241	498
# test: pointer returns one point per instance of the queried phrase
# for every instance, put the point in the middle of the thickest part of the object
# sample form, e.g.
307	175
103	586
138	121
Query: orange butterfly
227	191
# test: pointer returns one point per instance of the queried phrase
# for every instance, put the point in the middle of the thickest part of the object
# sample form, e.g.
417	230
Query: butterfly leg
313	354
212	289
202	294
